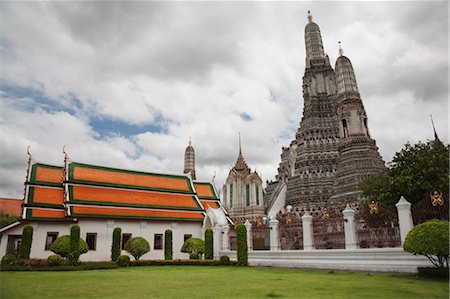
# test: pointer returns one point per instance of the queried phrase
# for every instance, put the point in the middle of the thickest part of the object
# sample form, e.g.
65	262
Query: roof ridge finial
309	16
341	51
30	156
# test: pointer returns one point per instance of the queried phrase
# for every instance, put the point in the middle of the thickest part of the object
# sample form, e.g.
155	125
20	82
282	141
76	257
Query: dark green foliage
115	247
242	250
6	219
74	253
414	172
8	259
224	260
54	260
41	265
180	263
168	246
209	245
137	247
429	272
25	245
430	239
194	246
61	246
123	261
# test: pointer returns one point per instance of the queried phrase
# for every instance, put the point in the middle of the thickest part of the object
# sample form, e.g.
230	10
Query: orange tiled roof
126	197
44	214
205	190
46	174
45	196
97	175
209	203
11	206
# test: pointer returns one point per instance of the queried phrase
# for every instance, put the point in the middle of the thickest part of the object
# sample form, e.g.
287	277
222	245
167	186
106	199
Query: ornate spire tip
341	51
309	16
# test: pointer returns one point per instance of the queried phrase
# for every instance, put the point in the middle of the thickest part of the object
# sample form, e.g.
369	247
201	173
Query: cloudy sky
125	84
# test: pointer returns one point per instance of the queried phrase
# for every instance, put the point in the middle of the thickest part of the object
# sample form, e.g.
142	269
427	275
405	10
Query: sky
125	84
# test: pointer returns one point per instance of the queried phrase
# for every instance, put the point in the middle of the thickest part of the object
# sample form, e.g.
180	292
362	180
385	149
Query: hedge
209	245
181	263
25	245
41	265
115	247
435	273
242	250
168	246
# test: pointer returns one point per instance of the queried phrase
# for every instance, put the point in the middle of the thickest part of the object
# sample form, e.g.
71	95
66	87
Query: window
91	240
231	195
125	238
158	241
187	237
51	237
344	128
13	244
247	195
257	195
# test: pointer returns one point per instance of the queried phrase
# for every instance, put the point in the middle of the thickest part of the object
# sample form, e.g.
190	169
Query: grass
215	282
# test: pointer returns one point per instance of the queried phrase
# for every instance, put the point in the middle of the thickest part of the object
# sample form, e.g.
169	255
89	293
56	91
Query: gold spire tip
190	141
309	16
30	157
341	51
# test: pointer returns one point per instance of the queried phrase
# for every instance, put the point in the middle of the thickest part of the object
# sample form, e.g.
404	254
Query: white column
225	238
308	237
248	226
274	242
349	228
217	240
405	221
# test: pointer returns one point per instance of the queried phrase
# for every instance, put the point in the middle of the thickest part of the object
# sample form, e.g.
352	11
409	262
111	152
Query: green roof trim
31	202
34	168
119	204
73	165
28	216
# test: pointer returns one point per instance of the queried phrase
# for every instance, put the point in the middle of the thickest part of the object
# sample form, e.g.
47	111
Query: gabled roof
205	190
43	174
11	206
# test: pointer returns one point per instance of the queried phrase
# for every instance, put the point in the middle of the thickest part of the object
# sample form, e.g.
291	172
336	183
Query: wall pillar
274	241
308	236
225	238
405	221
217	240
349	228
248	226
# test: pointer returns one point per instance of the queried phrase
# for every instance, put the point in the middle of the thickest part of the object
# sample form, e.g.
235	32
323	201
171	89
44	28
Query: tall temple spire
313	42
345	75
240	162
437	141
189	160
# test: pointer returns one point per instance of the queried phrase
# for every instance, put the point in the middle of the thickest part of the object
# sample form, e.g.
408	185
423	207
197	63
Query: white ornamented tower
189	160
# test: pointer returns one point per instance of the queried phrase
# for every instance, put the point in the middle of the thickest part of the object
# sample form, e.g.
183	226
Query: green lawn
214	282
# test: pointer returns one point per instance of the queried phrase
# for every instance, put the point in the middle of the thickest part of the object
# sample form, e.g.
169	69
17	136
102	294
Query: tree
6	219
168	246
430	239
242	249
61	246
137	247
115	247
415	172
74	253
209	244
25	245
195	247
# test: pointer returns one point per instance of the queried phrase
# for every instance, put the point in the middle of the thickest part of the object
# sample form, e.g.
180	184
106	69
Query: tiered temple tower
332	151
242	192
189	160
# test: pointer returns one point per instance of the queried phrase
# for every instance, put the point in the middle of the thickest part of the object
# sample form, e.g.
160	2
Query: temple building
99	199
243	193
332	151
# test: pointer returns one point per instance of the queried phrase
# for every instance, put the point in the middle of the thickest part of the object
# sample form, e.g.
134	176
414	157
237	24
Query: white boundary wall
367	260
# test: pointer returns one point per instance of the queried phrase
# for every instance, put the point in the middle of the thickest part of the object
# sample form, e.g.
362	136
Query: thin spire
436	138
309	16
30	157
240	163
341	51
190	143
240	149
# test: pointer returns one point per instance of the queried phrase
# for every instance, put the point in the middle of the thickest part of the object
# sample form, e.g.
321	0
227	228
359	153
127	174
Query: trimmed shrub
61	246
8	259
115	247
224	260
123	260
209	245
194	246
137	247
54	260
74	253
25	244
242	250
430	239
168	246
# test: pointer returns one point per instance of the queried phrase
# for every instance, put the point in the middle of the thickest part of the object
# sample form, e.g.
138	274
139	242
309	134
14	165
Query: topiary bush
8	259
25	244
74	253
224	260
242	250
123	260
209	246
54	260
194	246
137	247
168	246
115	247
430	239
61	246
